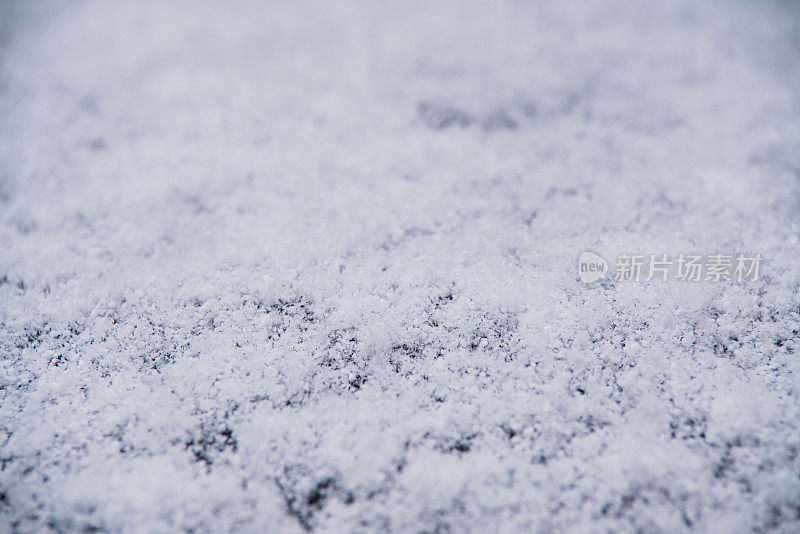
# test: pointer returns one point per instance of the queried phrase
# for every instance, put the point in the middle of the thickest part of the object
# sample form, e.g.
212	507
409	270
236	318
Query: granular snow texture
312	266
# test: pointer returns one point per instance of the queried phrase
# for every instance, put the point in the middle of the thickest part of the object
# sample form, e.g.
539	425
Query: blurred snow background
311	266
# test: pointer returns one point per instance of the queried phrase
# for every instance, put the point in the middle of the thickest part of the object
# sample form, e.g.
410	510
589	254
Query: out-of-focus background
312	266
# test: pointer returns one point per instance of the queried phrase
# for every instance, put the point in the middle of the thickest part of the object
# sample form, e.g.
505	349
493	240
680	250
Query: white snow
311	266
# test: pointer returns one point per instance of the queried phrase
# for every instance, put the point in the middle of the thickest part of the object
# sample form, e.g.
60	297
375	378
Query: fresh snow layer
312	266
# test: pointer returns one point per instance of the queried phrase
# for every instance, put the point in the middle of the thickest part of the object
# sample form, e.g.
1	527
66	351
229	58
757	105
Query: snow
303	266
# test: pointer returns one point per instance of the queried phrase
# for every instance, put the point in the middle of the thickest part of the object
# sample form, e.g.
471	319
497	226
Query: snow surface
311	266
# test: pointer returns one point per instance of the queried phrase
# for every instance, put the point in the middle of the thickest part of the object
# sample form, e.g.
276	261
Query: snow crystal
295	267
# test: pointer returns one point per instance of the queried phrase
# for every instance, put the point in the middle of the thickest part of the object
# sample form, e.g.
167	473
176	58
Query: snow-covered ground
312	266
